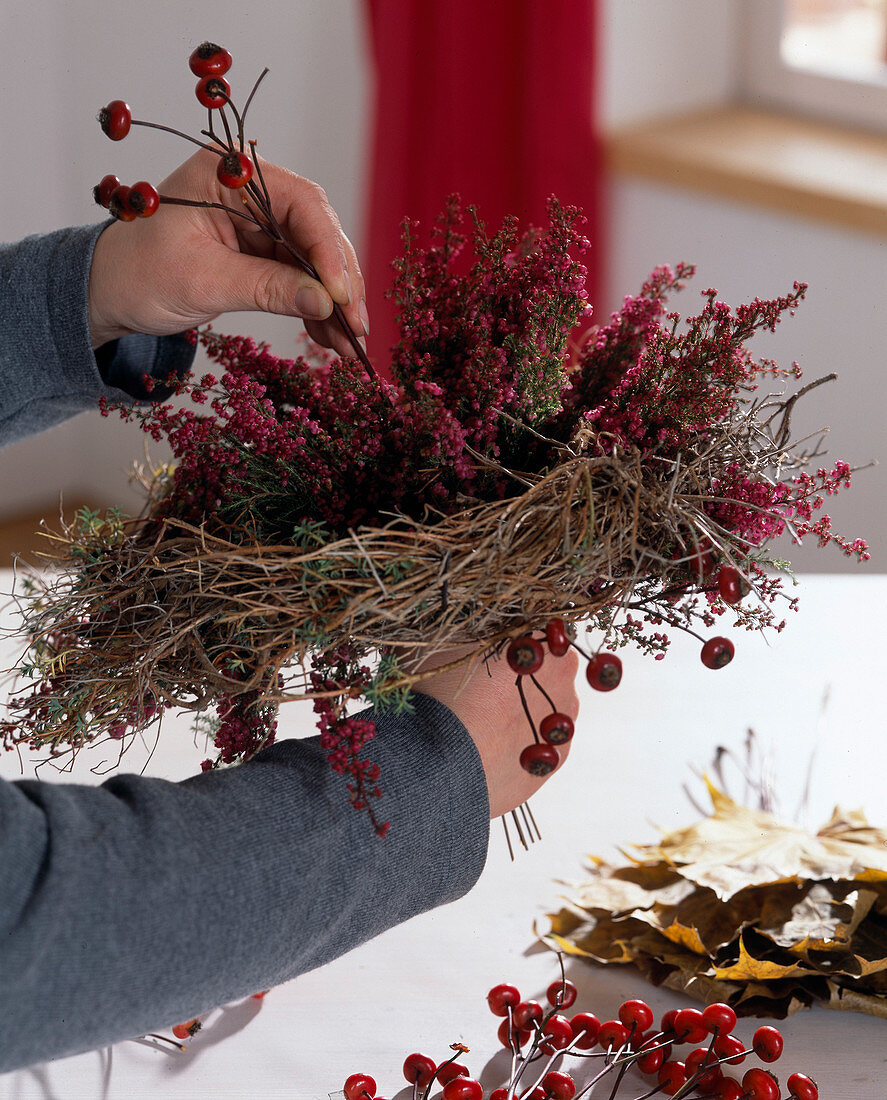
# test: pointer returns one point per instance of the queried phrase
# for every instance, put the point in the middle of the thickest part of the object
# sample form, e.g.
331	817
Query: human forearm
139	903
48	370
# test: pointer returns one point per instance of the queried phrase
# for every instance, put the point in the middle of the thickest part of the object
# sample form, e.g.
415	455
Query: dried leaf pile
743	908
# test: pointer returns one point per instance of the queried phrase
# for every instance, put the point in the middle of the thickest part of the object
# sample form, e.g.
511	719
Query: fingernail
364	317
362	340
312	304
349	289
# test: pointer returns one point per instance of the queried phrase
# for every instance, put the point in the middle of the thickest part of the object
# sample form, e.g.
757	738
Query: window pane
843	37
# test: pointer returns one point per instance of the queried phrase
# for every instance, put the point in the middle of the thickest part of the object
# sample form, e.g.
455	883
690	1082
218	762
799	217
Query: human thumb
275	287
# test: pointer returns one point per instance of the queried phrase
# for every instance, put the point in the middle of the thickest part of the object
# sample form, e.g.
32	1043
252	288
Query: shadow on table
222	1024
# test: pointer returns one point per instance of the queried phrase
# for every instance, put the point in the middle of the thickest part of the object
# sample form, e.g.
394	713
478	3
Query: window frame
767	81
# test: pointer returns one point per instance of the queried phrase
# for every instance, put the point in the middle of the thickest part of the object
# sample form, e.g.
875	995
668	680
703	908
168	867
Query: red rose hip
760	1085
558	1032
359	1086
585	1027
719	1018
557	637
419	1068
450	1070
539	760
559	1085
717	652
527	1013
636	1014
234	170
612	1035
115	119
802	1087
561	994
502	997
209	60
732	586
525	655
103	190
556	729
463	1088
119	207
604	671
672	1076
767	1043
143	199
213	91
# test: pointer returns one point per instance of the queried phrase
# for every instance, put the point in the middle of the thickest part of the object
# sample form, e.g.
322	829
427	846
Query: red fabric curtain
492	99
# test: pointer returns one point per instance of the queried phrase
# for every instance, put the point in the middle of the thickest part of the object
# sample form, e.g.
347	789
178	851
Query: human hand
185	265
485	699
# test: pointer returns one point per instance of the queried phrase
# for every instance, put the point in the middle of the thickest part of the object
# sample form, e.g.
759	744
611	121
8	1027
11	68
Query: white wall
662	57
666	56
63	60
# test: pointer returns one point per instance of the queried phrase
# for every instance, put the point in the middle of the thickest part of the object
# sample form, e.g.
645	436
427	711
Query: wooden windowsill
20	536
786	163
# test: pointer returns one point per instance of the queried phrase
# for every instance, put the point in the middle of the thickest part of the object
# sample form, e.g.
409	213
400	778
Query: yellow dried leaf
686	936
748	968
656	946
603	939
714	922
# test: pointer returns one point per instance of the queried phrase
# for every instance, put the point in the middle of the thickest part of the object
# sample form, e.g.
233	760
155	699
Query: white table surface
423	985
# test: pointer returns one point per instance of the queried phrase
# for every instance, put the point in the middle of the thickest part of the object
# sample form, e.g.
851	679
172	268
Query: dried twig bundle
323	532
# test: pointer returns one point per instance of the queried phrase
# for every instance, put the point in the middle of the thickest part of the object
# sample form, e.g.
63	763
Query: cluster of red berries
235	169
631	1040
525	656
603	671
209	63
126	203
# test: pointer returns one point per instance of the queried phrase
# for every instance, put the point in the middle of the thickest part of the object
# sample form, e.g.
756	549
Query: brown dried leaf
848	1000
700	919
815	920
602	938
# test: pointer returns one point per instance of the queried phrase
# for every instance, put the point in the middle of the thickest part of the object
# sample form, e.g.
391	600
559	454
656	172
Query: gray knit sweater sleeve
48	370
265	869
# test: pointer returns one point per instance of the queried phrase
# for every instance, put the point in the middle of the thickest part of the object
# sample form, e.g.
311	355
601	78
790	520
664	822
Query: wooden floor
20	534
